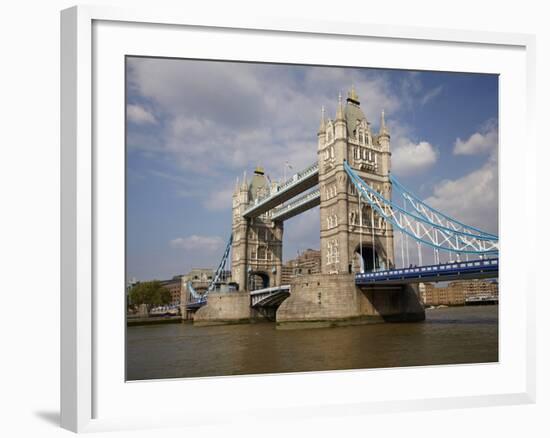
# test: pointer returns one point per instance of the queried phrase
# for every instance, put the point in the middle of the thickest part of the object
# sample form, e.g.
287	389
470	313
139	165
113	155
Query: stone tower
256	259
351	240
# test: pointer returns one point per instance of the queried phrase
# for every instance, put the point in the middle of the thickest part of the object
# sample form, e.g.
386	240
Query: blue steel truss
425	224
198	299
431	213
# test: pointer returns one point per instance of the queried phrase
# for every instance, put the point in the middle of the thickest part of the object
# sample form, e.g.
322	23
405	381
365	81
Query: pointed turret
321	135
236	185
384	142
244	185
383	129
340	109
340	122
322	126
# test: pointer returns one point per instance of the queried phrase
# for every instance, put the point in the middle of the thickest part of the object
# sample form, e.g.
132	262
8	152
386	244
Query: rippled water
448	336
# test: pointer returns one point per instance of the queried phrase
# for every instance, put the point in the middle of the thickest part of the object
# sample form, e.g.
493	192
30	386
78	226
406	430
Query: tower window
262	253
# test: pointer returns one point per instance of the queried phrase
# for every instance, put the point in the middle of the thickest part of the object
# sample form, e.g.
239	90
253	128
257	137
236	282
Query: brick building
308	262
174	286
456	293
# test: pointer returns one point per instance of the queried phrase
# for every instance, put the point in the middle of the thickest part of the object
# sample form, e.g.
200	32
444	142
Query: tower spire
244	185
383	128
340	110
322	126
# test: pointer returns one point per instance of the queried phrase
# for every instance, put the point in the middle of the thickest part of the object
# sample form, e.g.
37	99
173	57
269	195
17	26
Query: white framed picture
139	92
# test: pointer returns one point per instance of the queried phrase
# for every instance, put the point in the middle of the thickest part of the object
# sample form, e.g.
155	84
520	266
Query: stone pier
226	308
324	300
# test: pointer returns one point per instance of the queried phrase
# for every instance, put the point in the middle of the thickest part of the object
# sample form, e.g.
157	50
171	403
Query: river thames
450	335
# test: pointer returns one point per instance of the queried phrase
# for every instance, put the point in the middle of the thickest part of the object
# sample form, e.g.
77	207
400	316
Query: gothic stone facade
351	241
256	258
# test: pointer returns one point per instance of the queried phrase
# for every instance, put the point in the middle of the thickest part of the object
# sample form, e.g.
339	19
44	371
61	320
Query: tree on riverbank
150	293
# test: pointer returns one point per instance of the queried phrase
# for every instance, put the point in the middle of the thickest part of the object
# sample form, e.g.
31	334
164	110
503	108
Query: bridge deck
433	273
299	183
298	206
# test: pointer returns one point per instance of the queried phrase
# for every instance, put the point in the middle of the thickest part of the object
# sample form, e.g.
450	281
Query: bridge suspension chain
432	214
218	275
424	224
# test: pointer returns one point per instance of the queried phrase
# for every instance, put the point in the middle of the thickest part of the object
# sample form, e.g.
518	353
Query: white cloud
431	94
472	199
196	242
139	115
481	142
409	157
220	198
222	118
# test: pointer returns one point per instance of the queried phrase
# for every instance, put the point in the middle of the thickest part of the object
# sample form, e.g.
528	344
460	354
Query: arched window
336	255
262	253
366	215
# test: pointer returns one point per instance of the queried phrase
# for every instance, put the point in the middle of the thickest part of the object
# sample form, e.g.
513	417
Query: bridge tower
256	259
351	240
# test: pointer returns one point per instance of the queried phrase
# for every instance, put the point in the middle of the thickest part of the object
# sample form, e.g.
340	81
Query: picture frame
92	41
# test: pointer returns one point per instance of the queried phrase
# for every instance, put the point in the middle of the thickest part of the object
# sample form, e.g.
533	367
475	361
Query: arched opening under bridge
366	260
258	280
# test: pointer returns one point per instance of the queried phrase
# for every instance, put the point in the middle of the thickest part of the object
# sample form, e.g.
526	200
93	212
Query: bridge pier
226	308
325	300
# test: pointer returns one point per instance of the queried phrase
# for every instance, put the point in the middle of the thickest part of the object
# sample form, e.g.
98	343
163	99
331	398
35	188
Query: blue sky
194	126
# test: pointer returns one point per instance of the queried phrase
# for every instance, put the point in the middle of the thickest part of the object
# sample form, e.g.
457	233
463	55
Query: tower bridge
362	209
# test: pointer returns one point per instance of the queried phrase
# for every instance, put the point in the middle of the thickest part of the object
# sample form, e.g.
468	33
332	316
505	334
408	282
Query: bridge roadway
270	296
298	183
443	272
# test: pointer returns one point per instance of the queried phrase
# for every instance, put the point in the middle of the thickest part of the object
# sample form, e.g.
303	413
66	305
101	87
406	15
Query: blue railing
442	272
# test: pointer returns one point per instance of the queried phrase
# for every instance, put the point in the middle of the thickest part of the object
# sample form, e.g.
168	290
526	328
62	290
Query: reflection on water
448	336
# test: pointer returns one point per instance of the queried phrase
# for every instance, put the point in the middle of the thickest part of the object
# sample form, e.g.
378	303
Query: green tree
150	293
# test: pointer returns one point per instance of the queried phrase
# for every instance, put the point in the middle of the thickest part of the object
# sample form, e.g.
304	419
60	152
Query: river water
449	335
